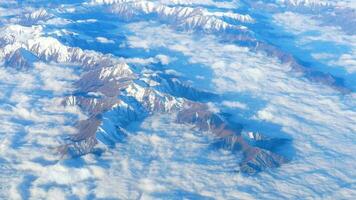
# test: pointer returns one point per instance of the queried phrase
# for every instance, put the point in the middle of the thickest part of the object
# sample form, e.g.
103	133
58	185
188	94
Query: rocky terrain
249	89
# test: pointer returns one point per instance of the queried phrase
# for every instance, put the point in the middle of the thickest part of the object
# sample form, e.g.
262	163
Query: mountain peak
21	59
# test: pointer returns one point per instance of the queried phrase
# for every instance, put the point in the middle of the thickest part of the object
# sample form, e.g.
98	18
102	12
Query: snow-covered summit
36	16
310	3
190	18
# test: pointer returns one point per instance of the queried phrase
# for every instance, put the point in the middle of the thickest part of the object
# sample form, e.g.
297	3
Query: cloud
55	78
104	40
213	108
347	61
163	59
58	21
309	31
234	104
33	120
172	72
320	121
346	4
87	21
140	61
160	58
162	159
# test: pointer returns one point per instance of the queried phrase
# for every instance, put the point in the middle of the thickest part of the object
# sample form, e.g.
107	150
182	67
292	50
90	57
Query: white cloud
162	158
302	25
320	121
213	108
347	61
56	193
87	21
58	21
32	122
56	78
322	56
171	159
140	61
104	40
172	72
346	4
234	104
163	59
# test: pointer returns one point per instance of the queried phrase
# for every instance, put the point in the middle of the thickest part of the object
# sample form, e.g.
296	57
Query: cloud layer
160	159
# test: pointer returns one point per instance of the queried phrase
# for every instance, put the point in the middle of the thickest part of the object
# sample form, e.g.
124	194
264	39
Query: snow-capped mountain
21	59
184	17
339	13
177	99
34	17
106	85
196	18
307	3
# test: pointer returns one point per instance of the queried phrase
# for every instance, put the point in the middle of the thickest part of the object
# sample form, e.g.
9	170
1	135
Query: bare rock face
21	59
108	81
84	141
255	159
298	69
171	84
